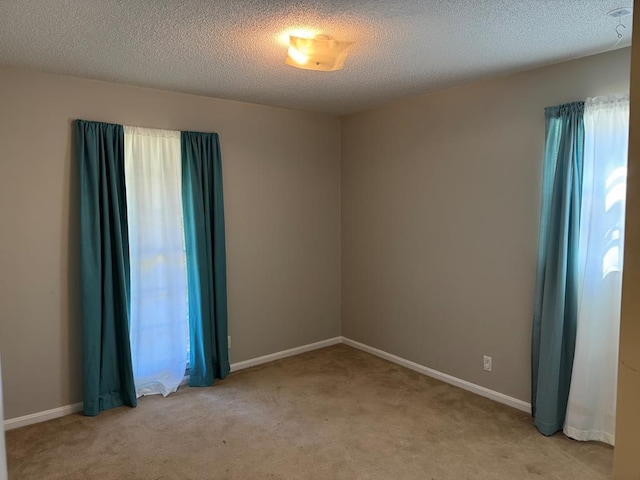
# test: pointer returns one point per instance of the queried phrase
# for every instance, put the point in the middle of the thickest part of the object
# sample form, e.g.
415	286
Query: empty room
341	239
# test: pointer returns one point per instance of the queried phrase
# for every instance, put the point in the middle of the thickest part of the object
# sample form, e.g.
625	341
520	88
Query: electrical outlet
487	363
229	342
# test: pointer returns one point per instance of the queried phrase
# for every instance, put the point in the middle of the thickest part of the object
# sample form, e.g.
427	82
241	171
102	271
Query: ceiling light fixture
321	53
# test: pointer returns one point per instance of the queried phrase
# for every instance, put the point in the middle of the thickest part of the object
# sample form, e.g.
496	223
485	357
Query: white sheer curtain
159	311
592	398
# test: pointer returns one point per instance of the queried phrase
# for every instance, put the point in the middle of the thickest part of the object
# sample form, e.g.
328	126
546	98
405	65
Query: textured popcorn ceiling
230	49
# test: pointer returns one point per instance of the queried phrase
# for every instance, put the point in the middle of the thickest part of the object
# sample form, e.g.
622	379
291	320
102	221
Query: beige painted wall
440	211
440	204
627	460
281	185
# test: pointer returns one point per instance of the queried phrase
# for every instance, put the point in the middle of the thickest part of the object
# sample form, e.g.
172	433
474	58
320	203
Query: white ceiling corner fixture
321	53
620	13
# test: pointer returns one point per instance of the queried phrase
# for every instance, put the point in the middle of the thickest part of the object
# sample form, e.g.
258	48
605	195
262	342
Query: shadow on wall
71	343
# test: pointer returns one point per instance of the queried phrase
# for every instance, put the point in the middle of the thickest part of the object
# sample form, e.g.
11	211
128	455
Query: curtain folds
592	400
104	259
159	313
556	298
153	262
206	265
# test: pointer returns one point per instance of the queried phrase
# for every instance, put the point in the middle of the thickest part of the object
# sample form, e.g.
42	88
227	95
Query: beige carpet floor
335	413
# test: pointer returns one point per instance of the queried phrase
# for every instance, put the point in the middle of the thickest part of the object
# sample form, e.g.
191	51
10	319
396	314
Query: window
159	329
592	397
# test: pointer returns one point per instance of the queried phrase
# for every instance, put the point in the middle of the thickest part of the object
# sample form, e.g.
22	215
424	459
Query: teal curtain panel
203	210
556	298
104	259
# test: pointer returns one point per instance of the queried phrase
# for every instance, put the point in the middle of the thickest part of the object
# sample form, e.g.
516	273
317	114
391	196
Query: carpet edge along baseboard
37	417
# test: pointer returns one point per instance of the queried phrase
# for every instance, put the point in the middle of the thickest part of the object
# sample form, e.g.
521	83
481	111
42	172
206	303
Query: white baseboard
38	417
471	387
463	384
284	354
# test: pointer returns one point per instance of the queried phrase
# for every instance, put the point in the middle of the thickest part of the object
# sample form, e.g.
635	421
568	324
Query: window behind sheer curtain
159	306
592	398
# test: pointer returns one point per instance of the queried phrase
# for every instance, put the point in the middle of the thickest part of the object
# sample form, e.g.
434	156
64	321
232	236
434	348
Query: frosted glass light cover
320	53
